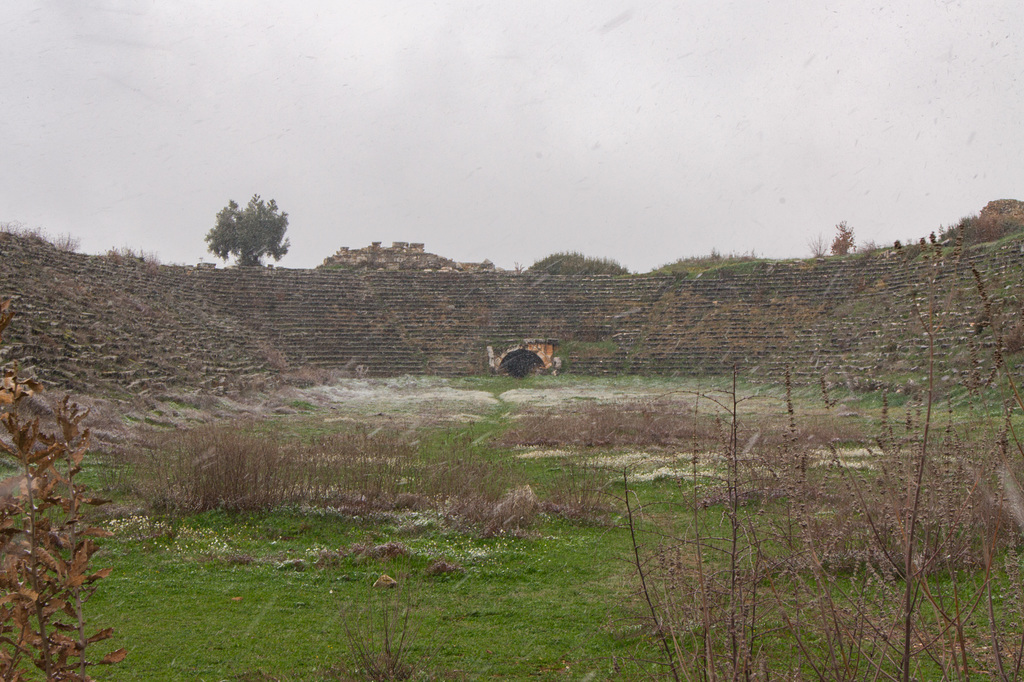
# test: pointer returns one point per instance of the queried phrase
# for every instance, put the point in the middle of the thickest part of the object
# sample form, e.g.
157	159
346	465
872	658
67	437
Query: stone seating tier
95	323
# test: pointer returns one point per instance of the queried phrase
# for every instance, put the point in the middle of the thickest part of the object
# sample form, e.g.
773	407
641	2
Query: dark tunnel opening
520	362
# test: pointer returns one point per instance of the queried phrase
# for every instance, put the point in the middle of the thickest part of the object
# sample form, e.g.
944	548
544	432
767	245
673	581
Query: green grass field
236	596
762	542
278	595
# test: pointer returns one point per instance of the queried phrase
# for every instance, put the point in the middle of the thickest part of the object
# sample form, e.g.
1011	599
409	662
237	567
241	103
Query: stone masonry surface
104	323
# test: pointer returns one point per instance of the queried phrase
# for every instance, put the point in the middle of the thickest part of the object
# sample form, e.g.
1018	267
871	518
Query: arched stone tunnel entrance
521	359
520	362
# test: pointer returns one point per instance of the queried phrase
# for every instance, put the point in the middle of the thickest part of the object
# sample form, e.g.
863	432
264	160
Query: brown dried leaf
106	633
52	607
114	657
55	564
81	560
77	456
99	575
63	640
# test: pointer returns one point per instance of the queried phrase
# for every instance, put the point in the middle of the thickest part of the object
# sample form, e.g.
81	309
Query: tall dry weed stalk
702	589
806	566
45	547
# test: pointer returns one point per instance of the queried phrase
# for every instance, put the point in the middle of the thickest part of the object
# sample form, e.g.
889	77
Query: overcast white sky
642	132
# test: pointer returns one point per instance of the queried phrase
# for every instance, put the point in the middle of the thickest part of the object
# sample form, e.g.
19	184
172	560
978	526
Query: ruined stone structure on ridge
398	256
1004	210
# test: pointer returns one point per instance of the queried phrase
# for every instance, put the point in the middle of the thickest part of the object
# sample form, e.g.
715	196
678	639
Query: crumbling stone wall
398	256
1004	210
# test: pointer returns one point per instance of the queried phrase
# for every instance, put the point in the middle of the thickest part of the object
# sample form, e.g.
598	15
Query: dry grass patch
664	423
236	468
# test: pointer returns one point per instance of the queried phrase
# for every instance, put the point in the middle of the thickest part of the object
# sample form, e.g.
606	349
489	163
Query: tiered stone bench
91	322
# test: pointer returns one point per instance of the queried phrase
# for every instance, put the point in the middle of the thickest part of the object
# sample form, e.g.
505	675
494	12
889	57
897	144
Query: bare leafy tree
250	233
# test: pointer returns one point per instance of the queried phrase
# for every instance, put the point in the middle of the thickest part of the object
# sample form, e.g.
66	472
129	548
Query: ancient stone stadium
115	322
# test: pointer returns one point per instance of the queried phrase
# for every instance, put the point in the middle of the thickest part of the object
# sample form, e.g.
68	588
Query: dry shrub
124	254
869	566
413	501
657	423
66	242
238	559
386	551
444	567
818	246
276	360
13	227
869	247
468	490
357	469
986	228
116	256
45	547
977	229
219	467
62	242
460	480
309	375
389	550
458	476
640	423
493	516
1013	338
843	243
380	634
579	492
231	467
514	512
851	517
328	558
800	528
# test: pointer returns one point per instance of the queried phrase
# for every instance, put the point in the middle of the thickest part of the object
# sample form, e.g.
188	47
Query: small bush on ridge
575	263
843	243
